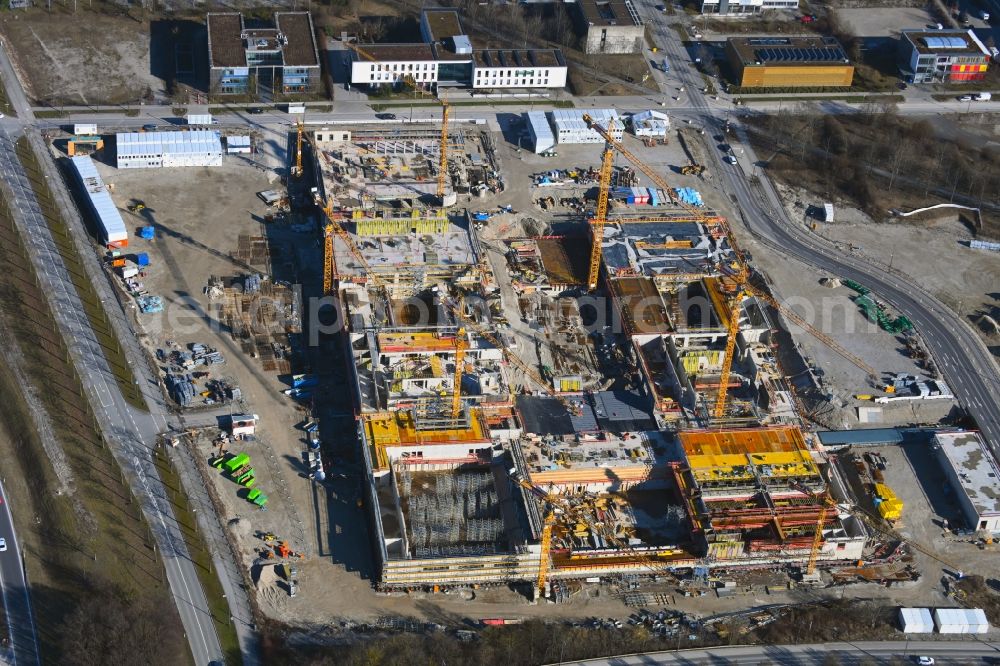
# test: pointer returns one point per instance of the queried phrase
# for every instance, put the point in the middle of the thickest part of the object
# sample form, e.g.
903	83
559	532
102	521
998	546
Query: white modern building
144	150
492	68
745	7
570	126
446	56
110	225
974	476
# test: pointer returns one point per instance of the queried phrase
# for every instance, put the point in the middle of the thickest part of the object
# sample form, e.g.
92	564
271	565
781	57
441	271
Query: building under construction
756	496
484	469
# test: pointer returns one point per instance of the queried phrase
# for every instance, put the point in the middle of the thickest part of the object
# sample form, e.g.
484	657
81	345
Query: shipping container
199	119
85	129
142	259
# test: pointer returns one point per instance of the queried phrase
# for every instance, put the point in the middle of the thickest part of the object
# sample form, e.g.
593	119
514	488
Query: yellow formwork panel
706	359
742	441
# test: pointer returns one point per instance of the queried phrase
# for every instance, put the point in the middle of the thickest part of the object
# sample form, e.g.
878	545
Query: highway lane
131	432
842	652
127	429
16	600
965	362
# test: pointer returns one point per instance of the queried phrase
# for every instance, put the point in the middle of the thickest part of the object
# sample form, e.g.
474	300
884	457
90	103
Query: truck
982	97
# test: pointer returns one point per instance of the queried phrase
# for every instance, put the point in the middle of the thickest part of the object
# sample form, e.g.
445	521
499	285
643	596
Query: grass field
201	558
88	296
89	545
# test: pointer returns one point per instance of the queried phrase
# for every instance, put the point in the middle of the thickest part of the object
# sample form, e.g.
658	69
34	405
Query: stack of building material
689	196
181	389
889	506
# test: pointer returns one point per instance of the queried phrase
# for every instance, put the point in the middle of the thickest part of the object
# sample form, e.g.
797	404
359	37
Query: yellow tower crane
601	217
328	259
297	172
443	157
456	397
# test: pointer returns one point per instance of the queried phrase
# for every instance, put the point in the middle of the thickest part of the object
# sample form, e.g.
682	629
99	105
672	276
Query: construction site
500	400
515	432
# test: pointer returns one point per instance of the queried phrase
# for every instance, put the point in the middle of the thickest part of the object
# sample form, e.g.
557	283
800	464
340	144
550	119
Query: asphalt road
16	600
943	652
965	362
132	433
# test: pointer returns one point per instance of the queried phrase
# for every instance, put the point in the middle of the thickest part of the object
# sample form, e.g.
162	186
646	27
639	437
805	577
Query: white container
916	621
85	129
199	119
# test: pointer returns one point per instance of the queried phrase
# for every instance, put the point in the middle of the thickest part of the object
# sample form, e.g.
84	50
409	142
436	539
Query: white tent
916	621
961	621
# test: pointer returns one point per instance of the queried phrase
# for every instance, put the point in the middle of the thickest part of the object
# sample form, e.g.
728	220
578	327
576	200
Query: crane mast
443	153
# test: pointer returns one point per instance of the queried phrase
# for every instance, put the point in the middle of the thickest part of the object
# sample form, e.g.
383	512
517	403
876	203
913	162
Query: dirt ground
934	252
59	60
198	214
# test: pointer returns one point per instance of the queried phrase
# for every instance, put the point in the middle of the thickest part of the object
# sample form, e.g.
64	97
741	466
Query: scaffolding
459	517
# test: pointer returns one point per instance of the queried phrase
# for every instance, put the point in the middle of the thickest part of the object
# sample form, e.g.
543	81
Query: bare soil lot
85	58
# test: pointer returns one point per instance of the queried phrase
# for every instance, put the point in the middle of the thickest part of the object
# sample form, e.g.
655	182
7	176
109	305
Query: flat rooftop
400	52
794	51
732	458
616	12
225	41
975	467
517	58
946	42
442	23
300	51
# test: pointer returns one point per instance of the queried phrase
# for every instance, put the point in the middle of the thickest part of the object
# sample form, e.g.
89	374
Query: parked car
965	98
385	116
731	159
925	661
3	545
149	128
255	110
